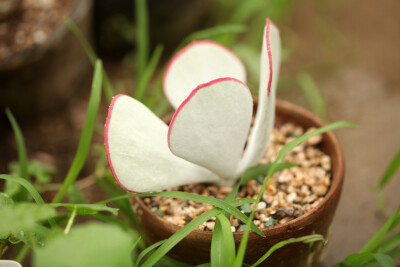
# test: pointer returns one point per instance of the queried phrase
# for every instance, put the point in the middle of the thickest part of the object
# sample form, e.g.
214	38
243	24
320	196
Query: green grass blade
395	253
136	243
183	232
142	38
374	242
85	44
222	244
148	73
108	88
169	262
123	204
85	209
148	250
214	31
86	136
22	156
356	259
179	235
162	107
303	239
30	188
75	195
384	260
390	171
390	243
282	153
313	95
210	200
262	170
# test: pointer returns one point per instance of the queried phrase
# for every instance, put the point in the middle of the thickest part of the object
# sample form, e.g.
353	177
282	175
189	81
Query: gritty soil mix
289	193
32	24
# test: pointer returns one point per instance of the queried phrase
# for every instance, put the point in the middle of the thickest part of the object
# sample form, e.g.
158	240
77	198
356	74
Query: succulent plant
209	138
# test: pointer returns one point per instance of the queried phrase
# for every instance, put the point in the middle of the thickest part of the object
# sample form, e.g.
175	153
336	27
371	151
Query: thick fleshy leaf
138	153
211	126
198	63
265	116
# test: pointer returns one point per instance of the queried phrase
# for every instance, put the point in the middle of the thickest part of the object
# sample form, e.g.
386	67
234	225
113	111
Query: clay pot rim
35	51
300	222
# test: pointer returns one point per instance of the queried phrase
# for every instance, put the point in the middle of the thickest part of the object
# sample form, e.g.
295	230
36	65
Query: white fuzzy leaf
211	126
198	63
138	153
265	116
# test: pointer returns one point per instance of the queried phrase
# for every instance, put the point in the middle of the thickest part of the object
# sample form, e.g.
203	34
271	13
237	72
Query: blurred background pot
45	73
317	221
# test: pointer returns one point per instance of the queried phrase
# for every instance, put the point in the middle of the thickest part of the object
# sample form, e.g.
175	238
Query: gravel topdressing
289	193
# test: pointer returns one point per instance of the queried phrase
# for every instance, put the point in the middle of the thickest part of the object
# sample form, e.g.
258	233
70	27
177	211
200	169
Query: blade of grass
136	243
142	38
22	156
282	153
148	73
31	189
390	171
157	93
212	32
262	170
86	209
123	204
303	239
253	173
86	136
384	260
222	244
210	200
374	242
162	107
169	262
390	243
108	88
148	250
183	232
313	95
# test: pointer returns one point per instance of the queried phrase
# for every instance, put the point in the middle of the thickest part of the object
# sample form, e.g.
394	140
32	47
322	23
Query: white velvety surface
210	128
197	63
265	116
138	153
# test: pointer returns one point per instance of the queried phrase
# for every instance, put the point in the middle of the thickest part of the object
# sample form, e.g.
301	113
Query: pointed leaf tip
265	116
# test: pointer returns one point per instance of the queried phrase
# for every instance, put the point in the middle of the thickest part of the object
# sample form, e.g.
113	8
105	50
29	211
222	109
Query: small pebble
291	197
270	222
245	208
261	206
210	225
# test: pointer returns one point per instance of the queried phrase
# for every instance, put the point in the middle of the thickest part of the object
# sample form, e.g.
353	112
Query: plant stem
70	221
22	254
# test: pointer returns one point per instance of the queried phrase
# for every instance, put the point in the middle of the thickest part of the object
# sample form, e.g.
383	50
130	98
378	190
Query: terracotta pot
195	248
44	77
